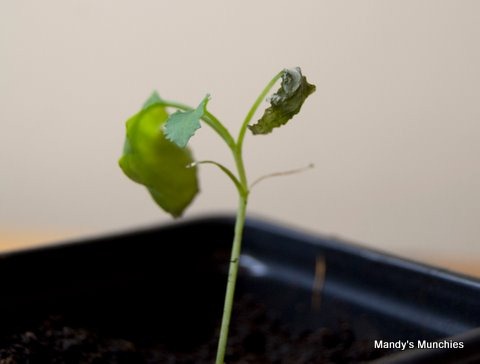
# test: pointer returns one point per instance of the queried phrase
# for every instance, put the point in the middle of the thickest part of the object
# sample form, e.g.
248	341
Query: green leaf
181	125
158	164
285	103
153	99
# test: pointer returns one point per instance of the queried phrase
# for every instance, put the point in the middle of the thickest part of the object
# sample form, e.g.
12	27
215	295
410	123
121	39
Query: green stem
239	223
237	155
228	172
232	278
242	187
219	128
253	109
235	256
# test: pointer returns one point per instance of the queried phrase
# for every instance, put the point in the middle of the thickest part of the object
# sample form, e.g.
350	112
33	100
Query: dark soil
255	337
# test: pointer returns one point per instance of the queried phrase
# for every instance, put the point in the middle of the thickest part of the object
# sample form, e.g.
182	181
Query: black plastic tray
139	283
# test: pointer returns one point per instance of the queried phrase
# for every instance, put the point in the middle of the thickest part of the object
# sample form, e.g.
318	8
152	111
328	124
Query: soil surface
255	337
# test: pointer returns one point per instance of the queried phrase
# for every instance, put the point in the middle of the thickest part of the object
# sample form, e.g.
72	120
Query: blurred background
393	129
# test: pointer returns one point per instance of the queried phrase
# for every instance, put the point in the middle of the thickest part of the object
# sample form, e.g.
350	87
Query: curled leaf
285	103
157	163
181	125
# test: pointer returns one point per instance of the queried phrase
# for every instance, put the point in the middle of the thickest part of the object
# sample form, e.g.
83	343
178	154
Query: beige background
393	129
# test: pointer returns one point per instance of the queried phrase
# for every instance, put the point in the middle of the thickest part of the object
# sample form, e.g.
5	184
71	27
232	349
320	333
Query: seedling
156	155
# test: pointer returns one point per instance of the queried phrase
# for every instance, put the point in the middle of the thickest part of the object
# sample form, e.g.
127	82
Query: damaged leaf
285	103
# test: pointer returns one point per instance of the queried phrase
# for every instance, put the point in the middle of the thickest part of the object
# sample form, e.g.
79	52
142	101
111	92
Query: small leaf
181	125
158	164
285	103
153	99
